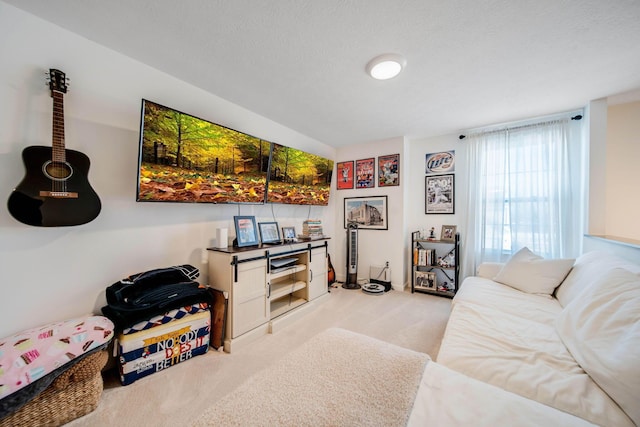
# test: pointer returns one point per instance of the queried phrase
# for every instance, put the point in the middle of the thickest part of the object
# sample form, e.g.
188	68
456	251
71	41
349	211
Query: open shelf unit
435	265
288	285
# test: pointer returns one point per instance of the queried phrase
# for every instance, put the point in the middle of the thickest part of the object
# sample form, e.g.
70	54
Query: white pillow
601	329
532	273
488	270
589	267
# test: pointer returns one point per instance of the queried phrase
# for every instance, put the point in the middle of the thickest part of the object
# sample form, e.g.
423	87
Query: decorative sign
442	162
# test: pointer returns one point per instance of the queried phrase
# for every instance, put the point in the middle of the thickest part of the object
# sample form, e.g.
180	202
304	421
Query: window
526	189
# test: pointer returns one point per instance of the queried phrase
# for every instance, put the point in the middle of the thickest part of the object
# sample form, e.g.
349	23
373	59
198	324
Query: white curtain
526	188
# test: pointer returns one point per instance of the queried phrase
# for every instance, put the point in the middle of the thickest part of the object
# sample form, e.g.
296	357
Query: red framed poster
366	173
345	175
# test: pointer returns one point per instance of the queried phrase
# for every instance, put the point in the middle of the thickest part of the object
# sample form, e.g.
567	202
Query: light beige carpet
180	394
337	378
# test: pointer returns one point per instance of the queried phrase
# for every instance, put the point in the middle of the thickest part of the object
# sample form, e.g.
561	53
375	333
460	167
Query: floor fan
352	257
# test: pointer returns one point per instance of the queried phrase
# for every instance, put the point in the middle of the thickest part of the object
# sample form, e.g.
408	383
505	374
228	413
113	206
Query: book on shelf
423	257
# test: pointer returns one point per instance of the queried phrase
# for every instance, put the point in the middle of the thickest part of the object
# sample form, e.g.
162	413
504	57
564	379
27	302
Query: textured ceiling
301	62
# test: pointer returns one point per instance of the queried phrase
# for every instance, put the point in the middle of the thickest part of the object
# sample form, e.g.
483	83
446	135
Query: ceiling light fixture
386	66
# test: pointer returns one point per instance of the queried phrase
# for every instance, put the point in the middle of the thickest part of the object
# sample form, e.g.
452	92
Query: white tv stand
262	298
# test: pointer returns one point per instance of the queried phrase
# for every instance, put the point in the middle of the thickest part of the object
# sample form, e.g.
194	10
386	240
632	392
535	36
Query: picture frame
448	233
365	173
289	234
425	280
369	213
269	232
389	170
441	162
439	194
344	180
246	231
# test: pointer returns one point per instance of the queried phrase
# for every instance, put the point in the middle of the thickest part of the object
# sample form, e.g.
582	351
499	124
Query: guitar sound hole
57	171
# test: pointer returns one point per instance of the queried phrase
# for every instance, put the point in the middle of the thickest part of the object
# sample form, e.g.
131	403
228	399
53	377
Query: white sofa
546	347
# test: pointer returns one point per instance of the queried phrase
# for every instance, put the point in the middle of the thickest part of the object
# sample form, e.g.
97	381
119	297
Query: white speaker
222	238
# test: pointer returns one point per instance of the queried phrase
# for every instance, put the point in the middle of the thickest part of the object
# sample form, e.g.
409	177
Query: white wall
417	219
375	246
50	274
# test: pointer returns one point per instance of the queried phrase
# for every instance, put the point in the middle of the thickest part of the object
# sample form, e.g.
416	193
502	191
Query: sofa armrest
489	270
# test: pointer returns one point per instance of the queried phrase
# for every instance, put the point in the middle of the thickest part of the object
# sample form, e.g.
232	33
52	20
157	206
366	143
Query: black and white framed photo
246	231
439	194
289	234
369	213
269	232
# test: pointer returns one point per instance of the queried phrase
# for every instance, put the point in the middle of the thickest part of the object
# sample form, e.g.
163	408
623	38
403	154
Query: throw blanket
336	378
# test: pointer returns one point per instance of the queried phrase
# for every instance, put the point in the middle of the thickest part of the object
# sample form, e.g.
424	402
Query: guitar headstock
57	81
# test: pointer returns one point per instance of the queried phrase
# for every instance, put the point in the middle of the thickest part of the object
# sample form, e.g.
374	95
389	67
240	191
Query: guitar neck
58	127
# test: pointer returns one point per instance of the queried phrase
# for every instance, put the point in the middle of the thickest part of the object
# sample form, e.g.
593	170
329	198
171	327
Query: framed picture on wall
366	173
370	213
345	175
389	170
439	194
442	162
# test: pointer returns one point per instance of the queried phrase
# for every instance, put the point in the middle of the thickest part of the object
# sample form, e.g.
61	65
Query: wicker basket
74	393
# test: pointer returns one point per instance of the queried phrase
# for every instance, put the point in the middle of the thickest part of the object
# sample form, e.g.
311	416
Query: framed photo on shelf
246	231
389	170
370	213
269	232
448	233
288	233
345	175
439	194
425	280
365	173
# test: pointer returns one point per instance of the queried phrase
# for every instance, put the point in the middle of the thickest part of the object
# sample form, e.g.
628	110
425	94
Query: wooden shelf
278	290
420	267
283	305
448	294
291	270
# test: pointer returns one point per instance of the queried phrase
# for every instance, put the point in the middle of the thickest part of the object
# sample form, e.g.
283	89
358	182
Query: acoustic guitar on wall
55	191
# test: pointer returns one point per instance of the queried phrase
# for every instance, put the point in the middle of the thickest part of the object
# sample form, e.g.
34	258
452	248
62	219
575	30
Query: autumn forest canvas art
186	159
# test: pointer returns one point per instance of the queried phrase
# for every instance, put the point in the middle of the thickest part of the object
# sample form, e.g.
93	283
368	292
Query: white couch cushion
532	273
487	293
601	329
588	268
524	357
448	398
